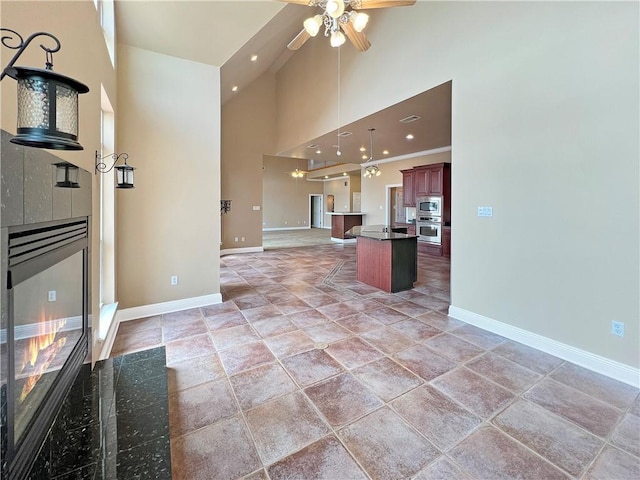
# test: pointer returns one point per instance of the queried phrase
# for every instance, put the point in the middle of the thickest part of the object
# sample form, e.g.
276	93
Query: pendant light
371	170
47	101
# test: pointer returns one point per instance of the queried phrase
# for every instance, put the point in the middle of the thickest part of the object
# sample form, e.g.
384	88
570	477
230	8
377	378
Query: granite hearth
114	424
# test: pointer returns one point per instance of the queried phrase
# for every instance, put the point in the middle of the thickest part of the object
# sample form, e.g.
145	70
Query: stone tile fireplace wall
29	198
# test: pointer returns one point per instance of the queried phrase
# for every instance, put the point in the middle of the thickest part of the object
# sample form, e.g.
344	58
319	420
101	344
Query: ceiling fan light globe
335	8
378	172
312	25
337	39
359	21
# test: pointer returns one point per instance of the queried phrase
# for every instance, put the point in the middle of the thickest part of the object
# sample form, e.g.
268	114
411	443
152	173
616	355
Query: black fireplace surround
45	299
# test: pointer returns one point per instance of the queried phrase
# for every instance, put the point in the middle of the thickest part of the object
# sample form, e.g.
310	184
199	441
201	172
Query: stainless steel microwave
429	206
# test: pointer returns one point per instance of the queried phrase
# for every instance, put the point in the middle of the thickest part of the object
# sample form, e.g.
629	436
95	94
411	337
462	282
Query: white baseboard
591	361
230	251
277	229
343	240
167	307
110	337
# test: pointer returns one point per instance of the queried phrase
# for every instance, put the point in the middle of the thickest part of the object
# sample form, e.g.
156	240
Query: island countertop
378	232
345	213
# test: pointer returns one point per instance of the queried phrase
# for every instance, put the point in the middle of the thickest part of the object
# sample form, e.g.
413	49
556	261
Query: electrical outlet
52	295
256	207
236	239
174	280
242	239
617	328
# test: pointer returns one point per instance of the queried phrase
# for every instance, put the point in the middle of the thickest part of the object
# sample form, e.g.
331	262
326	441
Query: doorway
315	211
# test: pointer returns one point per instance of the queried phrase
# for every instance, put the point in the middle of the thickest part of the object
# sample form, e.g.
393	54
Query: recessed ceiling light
235	88
254	58
318	151
344	174
362	149
385	152
409	137
326	176
364	157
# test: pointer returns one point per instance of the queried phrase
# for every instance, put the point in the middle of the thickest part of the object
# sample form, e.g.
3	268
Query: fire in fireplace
46	338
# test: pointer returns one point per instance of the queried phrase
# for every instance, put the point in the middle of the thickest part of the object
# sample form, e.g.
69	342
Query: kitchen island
385	259
342	222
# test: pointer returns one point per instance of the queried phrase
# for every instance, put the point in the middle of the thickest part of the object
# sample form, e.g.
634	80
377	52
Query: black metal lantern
47	109
47	101
124	172
66	175
124	175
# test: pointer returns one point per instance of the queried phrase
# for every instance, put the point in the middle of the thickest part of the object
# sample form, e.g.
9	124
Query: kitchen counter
378	232
385	259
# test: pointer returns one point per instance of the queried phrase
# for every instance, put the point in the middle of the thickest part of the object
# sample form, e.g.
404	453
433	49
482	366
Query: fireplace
46	338
44	329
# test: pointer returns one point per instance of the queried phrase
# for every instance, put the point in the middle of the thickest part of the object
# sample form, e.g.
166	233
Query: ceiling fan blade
359	39
299	40
366	4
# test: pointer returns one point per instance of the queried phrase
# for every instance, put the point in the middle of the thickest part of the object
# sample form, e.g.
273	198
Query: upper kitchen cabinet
408	192
432	180
426	180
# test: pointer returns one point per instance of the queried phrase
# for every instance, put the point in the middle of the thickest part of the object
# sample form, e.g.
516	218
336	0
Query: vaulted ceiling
228	33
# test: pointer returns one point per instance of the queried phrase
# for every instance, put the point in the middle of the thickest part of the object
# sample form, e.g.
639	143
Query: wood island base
390	264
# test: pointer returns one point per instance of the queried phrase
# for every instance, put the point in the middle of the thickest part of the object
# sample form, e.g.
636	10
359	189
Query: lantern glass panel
33	103
124	176
66	110
66	175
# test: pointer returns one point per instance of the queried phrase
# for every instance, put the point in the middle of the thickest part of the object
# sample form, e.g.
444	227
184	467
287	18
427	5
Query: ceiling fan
340	16
297	173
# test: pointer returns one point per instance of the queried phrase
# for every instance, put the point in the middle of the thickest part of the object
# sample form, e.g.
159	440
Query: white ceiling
227	33
208	32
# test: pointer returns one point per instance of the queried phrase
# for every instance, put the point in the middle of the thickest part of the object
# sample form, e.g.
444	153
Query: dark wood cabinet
425	181
408	191
421	180
435	180
446	242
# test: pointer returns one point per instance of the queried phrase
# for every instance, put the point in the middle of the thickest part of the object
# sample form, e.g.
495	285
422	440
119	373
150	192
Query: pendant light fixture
371	170
338	151
47	101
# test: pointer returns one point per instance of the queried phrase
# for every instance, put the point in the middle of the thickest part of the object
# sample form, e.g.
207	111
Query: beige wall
544	129
374	189
286	199
248	133
340	188
83	56
169	224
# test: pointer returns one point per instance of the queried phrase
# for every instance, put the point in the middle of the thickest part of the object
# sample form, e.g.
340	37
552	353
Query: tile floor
399	390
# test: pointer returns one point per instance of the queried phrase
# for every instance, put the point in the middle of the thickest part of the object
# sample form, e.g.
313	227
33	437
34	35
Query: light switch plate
485	211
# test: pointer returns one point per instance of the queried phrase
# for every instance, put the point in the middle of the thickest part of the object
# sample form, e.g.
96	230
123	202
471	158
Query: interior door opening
315	211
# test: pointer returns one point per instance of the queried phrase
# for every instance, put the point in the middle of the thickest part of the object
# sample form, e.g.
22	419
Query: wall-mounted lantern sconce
66	175
225	206
124	172
47	101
